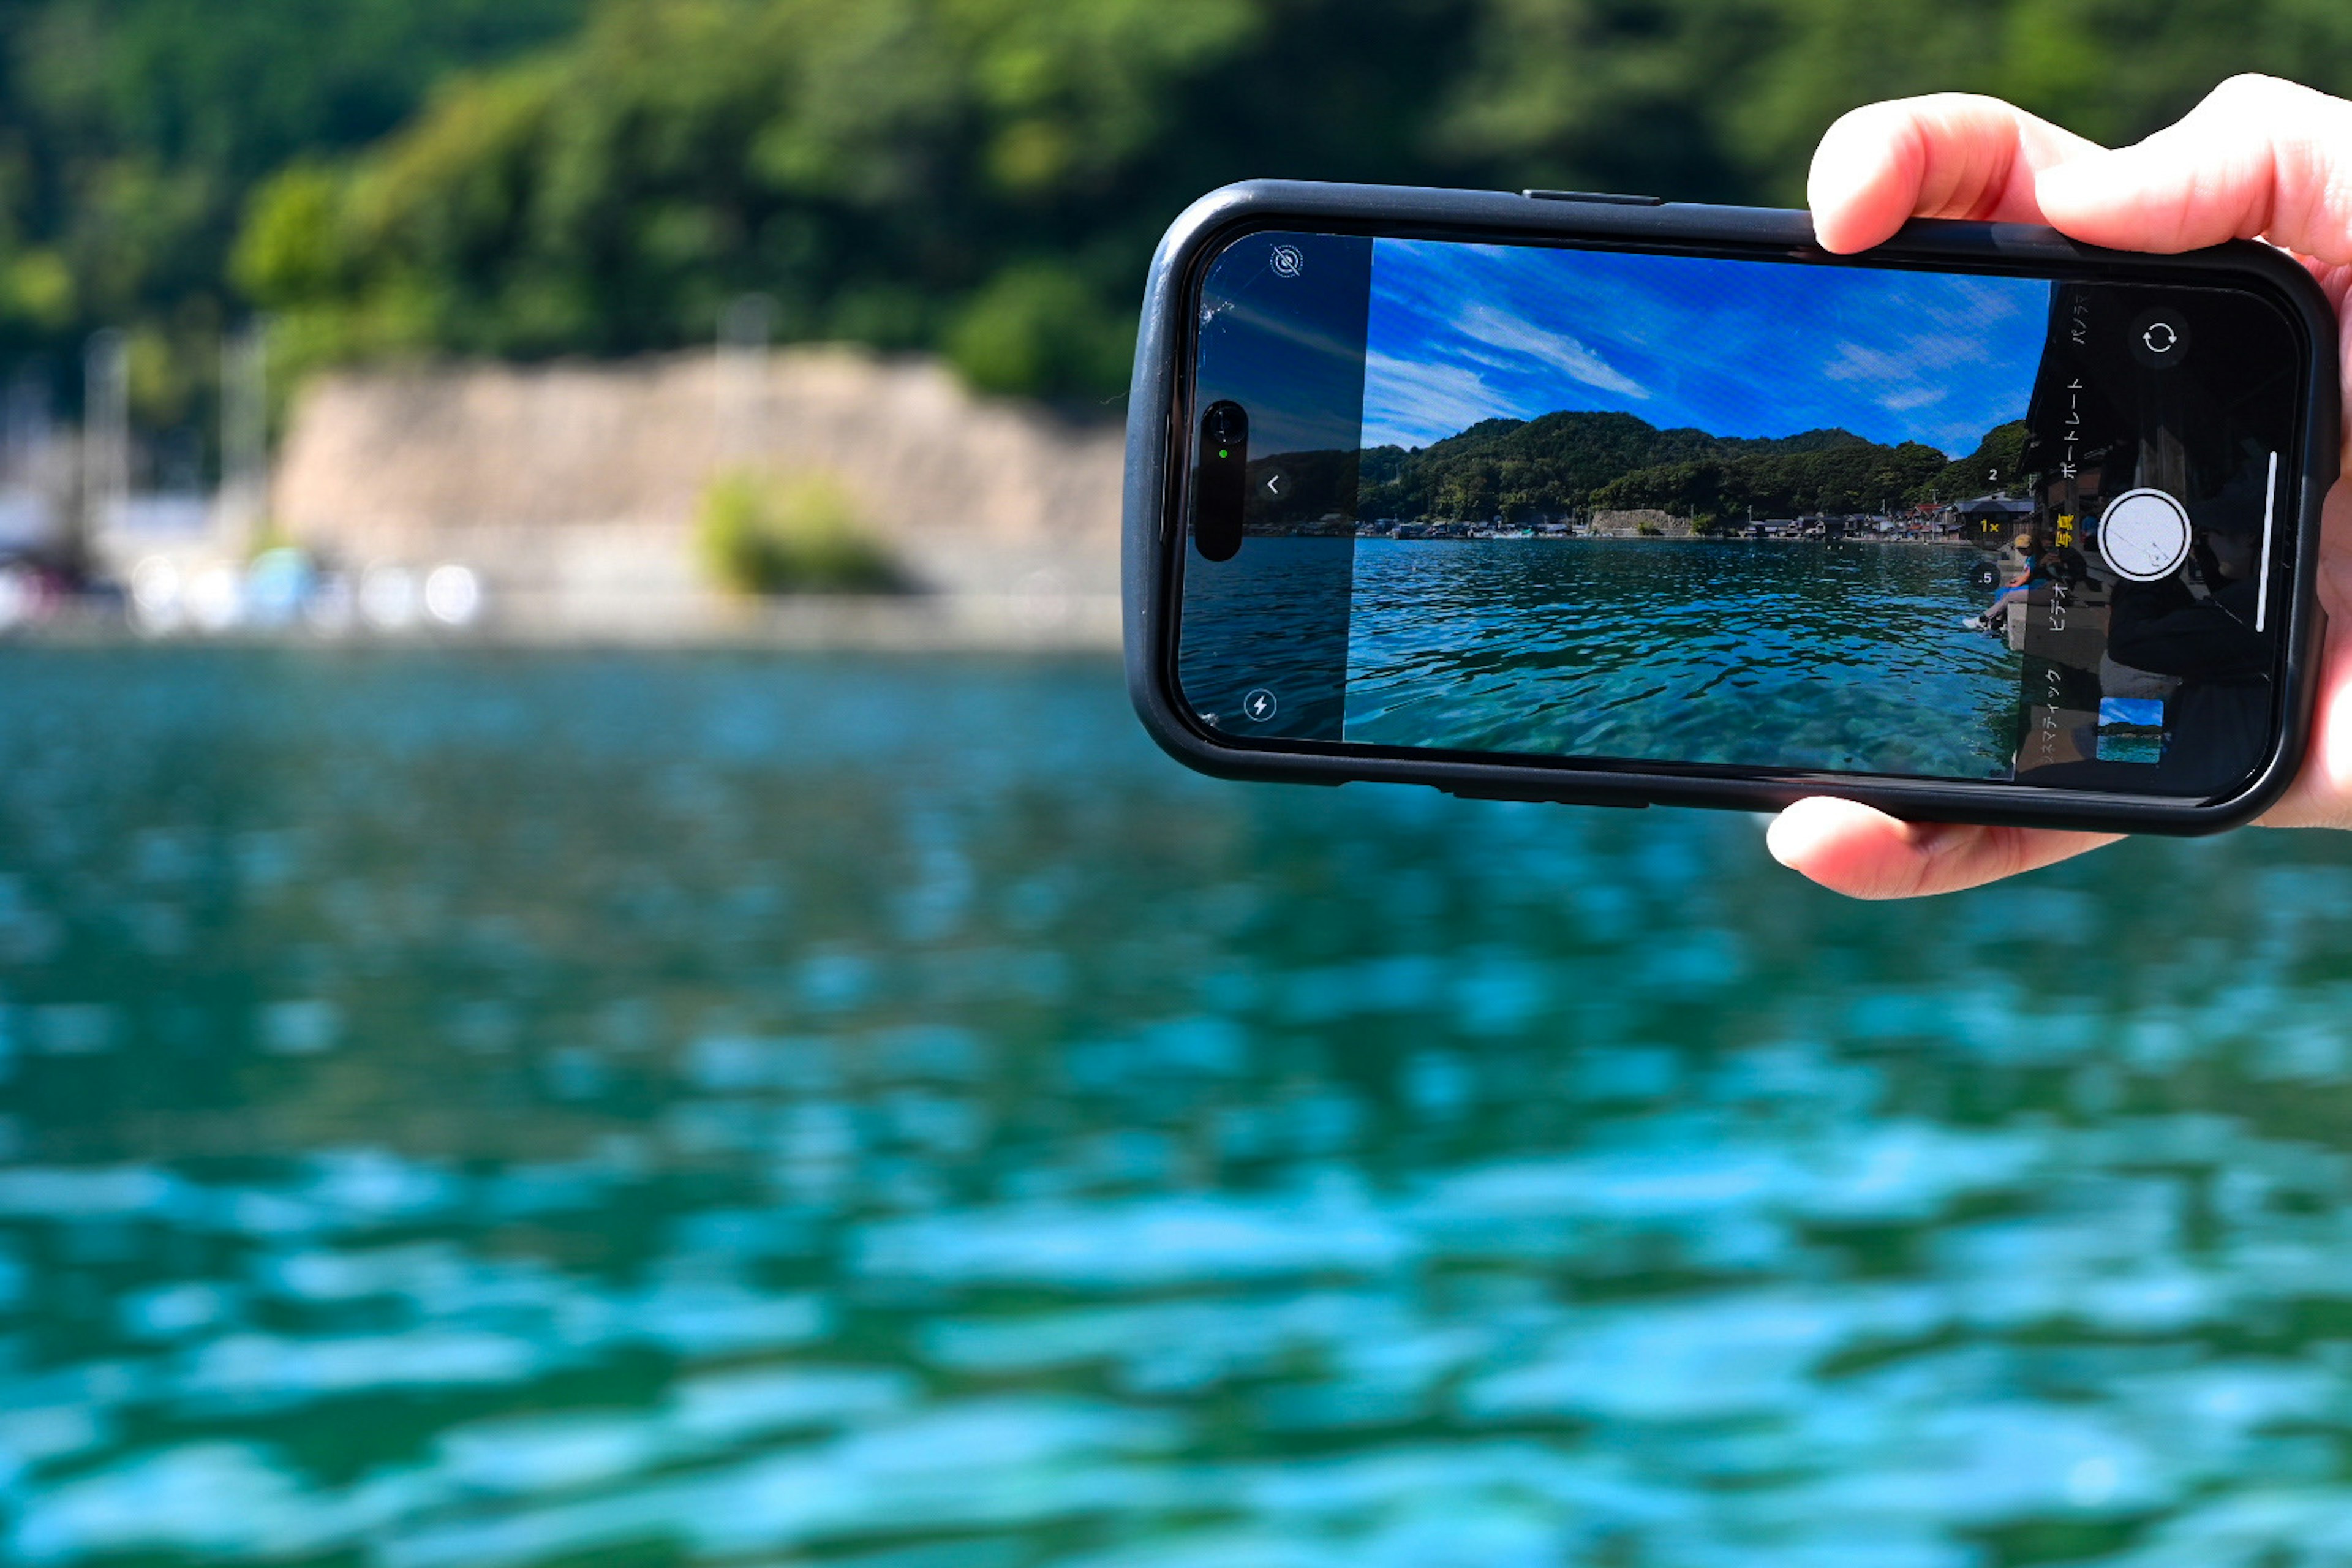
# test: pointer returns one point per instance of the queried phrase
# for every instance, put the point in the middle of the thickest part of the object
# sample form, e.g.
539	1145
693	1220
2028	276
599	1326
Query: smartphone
1609	499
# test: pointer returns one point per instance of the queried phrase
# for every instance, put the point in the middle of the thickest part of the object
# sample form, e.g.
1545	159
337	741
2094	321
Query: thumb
2259	158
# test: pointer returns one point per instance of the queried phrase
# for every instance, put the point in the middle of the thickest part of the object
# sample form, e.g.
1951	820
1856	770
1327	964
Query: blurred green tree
1738	90
987	176
133	132
981	178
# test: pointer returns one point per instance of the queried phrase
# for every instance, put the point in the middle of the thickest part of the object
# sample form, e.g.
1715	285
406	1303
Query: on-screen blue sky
1464	333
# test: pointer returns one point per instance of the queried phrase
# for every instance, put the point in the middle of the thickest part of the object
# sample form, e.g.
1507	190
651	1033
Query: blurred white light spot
216	597
388	597
453	596
20	596
155	606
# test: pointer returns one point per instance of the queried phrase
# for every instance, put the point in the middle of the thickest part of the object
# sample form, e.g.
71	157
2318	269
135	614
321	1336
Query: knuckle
2254	96
2244	88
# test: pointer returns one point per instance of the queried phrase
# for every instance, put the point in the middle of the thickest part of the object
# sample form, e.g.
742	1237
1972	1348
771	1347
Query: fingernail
1836	184
1793	834
2335	735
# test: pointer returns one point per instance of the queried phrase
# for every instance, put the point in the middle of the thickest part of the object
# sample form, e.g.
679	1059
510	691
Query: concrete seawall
572	489
1642	522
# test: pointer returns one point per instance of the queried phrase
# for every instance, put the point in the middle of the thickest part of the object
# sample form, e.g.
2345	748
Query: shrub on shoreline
768	534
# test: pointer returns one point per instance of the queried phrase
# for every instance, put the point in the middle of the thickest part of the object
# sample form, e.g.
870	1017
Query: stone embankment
573	490
1643	522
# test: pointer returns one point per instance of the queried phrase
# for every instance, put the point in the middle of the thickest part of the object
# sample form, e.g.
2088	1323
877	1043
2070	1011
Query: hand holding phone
1611	501
2259	158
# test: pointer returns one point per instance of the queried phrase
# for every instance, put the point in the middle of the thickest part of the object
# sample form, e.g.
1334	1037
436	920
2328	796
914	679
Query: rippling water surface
475	1111
1849	655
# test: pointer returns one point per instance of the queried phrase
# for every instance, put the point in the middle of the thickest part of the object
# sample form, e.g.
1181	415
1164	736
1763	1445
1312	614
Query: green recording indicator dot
1223	452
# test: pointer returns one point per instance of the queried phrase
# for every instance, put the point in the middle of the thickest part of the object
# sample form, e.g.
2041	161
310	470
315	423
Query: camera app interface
1557	502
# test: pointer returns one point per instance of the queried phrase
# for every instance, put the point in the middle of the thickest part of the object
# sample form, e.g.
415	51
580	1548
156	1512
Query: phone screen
1731	514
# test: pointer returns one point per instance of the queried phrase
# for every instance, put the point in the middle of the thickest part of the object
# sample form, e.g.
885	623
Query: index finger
2259	157
1951	154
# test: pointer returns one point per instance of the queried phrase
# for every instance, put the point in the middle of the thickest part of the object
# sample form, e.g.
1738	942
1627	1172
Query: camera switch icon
2159	339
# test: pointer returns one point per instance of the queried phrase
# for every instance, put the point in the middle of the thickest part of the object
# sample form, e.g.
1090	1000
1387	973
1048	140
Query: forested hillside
981	178
134	133
1576	461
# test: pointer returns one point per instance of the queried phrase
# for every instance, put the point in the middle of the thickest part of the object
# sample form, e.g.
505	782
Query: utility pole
29	428
742	375
242	506
105	439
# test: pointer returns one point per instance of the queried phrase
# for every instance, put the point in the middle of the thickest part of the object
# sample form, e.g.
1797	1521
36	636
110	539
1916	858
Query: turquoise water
1849	656
477	1110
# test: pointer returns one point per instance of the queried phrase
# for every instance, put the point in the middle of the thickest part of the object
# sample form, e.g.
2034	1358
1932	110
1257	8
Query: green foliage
1040	326
981	178
933	172
1852	476
1998	464
1549	464
1730	95
1614	462
133	131
763	535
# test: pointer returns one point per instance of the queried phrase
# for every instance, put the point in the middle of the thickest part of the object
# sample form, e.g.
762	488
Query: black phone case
1158	442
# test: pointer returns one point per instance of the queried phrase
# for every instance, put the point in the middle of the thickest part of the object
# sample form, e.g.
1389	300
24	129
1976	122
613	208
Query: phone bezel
1159	442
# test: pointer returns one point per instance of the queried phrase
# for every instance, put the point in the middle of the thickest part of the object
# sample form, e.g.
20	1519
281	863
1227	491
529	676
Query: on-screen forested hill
983	177
1577	461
